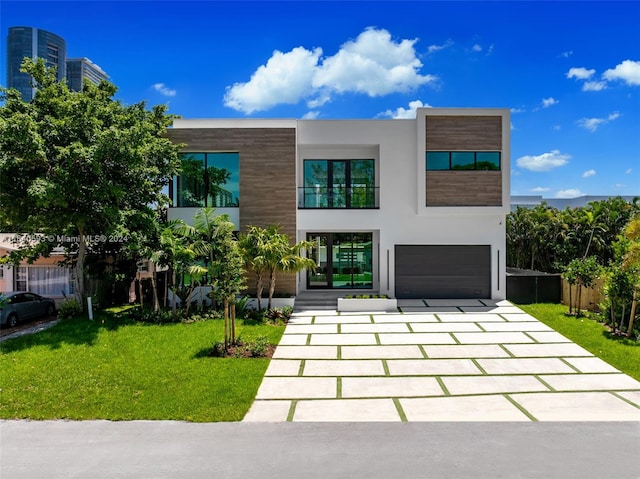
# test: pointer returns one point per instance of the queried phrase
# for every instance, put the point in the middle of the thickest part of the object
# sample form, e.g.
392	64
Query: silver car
21	306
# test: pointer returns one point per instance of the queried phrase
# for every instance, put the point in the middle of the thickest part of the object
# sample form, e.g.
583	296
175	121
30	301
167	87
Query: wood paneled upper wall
267	175
464	188
460	133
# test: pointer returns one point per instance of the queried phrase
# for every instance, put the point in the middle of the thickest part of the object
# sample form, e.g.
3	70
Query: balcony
355	197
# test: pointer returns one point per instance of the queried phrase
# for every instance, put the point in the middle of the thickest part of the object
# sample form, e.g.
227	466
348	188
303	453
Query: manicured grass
621	353
120	370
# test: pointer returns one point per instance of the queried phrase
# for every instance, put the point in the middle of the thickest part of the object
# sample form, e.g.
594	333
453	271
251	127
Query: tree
631	263
80	166
266	250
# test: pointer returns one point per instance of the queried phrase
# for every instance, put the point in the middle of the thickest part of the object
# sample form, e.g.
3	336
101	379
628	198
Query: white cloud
580	73
285	78
628	172
476	48
311	115
589	173
627	71
592	124
163	89
543	162
547	102
437	48
556	128
402	113
373	64
594	86
518	110
540	189
566	54
569	193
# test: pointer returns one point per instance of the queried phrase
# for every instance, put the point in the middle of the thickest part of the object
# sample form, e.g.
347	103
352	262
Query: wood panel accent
267	176
464	188
459	133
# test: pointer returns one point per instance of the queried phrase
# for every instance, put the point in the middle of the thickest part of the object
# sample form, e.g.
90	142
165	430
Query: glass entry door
343	261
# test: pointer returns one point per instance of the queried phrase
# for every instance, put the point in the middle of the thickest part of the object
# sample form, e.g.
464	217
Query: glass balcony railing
355	197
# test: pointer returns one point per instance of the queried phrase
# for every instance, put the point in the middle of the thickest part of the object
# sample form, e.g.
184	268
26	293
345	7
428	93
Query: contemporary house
409	208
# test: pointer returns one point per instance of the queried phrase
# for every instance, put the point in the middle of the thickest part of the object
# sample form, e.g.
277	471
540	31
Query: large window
343	261
338	184
209	179
45	280
463	160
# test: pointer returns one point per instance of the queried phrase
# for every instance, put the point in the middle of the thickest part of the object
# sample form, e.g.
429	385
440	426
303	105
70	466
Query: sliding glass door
343	261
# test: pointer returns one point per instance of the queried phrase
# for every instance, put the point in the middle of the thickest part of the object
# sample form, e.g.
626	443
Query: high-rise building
33	43
80	68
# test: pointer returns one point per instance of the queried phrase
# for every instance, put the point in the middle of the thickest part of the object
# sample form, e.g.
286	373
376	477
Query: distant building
36	43
80	68
33	43
562	203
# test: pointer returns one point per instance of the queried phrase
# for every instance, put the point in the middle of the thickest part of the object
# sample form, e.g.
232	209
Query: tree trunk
140	292
174	307
578	297
634	303
79	270
154	287
259	288
272	286
570	300
227	343
233	323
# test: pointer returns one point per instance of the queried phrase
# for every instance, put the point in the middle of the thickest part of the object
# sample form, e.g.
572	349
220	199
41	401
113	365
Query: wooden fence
590	297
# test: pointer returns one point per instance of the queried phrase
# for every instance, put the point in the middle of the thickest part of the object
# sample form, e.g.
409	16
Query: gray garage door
443	271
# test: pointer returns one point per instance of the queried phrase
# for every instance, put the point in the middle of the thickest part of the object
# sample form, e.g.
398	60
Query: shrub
279	315
69	309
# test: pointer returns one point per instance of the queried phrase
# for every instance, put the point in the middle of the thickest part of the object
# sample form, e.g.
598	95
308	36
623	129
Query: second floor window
209	179
339	184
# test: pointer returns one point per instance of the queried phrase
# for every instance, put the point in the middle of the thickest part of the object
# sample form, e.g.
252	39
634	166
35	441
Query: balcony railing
355	197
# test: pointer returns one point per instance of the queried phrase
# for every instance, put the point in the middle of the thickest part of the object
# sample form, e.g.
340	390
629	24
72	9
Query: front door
343	261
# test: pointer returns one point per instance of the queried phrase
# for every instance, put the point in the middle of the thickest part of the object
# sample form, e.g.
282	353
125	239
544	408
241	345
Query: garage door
443	271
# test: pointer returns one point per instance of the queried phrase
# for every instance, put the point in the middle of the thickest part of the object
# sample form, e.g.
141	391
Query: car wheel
51	310
12	320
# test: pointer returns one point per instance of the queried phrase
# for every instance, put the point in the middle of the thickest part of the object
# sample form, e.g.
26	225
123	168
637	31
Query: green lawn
121	370
622	353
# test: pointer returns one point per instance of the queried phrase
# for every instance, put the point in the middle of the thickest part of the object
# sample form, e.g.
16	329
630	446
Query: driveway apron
437	360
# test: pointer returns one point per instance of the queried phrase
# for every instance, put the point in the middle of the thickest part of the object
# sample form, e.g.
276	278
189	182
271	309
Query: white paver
411	302
295	387
283	367
405	318
493	338
345	319
381	352
491	309
633	396
416	338
306	352
375	328
591	382
340	339
431	367
268	411
454	302
548	337
352	367
525	366
432	310
390	387
589	406
311	328
318	312
546	350
521	316
467	318
293	340
300	319
466	351
444	327
516	326
346	410
492	384
478	408
591	365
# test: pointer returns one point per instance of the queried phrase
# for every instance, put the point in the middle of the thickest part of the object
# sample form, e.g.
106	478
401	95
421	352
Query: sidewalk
438	360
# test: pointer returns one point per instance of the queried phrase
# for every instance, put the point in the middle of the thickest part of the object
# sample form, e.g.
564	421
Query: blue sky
569	71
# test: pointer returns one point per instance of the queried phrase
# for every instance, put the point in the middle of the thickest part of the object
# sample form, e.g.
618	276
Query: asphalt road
166	449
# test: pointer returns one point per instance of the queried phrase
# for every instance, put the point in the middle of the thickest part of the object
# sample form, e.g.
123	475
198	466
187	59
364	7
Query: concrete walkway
438	360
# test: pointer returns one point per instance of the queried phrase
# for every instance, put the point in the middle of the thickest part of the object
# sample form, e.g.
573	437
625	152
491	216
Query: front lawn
621	353
118	369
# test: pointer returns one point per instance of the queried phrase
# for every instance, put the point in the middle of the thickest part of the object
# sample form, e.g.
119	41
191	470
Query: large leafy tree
80	164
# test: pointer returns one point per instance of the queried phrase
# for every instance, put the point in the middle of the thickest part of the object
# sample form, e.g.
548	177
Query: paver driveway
438	360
